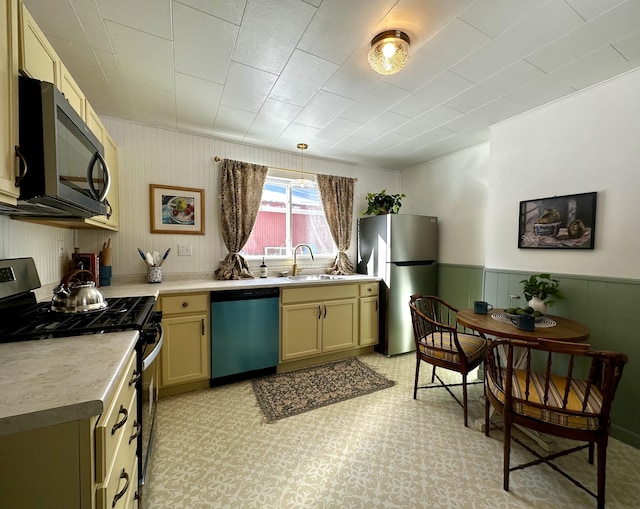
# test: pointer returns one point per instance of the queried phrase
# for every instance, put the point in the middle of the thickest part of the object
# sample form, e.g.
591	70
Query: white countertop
52	381
171	284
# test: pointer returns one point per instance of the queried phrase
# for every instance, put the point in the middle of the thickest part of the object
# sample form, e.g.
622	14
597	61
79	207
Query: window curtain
336	194
240	194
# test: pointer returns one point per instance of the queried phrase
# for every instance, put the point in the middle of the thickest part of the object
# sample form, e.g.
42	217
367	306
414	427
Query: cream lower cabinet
369	314
86	464
185	355
318	320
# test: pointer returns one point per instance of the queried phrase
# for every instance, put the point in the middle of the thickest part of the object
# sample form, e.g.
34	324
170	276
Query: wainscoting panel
460	285
610	307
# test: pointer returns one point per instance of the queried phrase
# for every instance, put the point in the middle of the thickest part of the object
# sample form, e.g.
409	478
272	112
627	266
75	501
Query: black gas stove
40	322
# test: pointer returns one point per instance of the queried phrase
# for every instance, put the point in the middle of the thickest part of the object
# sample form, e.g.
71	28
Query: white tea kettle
73	295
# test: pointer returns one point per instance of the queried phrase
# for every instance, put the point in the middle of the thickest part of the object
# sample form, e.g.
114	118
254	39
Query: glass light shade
389	52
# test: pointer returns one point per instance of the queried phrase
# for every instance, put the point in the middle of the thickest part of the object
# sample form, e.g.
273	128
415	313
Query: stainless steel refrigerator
402	249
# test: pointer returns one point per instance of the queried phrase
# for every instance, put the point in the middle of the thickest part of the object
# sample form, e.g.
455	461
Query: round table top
564	330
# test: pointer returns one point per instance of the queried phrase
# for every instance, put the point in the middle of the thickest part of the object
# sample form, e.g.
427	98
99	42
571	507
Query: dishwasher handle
245	294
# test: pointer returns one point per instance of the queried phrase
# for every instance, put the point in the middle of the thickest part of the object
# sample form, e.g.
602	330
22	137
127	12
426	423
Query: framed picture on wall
176	209
558	222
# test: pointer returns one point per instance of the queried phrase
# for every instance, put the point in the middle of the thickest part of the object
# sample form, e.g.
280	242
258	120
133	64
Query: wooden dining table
563	330
496	323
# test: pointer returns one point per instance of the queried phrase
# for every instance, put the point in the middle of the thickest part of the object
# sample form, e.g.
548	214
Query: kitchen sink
314	277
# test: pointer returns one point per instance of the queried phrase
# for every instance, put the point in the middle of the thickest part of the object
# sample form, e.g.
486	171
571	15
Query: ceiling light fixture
389	52
302	182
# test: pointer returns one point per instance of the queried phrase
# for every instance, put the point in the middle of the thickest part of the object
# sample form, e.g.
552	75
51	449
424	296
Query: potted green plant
541	290
383	203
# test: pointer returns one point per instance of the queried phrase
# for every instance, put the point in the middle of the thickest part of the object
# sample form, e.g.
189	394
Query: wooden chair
558	388
439	343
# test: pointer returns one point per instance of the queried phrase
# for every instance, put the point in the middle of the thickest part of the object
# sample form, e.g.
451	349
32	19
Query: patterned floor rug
293	393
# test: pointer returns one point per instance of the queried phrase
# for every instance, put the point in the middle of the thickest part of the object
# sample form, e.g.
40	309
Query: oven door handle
146	362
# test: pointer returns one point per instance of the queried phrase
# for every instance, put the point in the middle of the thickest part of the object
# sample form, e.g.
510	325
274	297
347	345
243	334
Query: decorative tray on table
541	321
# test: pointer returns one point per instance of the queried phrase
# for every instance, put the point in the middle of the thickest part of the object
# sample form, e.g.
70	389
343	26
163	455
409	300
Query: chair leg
506	451
415	385
486	413
433	374
591	445
464	398
602	469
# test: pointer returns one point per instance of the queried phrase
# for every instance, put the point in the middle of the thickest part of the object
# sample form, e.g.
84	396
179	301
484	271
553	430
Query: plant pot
538	305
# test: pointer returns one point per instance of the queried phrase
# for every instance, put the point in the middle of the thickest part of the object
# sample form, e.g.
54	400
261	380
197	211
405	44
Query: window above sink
289	215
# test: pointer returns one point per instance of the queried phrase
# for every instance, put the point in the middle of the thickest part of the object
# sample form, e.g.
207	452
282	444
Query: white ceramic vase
538	304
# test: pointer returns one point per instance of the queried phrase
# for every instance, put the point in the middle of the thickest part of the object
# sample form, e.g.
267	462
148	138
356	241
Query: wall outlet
185	250
61	249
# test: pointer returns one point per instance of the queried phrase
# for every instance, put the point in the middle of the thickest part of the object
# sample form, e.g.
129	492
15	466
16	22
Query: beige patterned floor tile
383	450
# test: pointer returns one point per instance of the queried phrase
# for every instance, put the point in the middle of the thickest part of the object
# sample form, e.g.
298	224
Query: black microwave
63	171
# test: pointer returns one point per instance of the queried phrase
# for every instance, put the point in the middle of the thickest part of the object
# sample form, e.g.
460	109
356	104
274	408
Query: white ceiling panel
354	78
429	120
246	87
233	122
365	108
270	31
302	77
492	17
144	59
275	116
202	44
422	20
453	43
228	10
589	9
339	27
537	30
111	96
197	102
385	142
438	90
593	68
501	83
336	131
322	109
620	21
384	123
150	16
153	106
59	20
275	73
629	48
488	114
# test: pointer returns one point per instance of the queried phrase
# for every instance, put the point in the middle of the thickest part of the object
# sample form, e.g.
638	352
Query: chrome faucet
295	250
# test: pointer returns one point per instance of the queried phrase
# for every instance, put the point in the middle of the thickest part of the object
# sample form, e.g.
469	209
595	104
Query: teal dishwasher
245	331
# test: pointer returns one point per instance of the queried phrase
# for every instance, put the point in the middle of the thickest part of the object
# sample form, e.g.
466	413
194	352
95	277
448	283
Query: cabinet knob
185	304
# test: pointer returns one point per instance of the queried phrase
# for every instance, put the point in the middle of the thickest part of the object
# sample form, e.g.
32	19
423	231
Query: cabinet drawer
319	293
122	479
188	303
369	289
117	421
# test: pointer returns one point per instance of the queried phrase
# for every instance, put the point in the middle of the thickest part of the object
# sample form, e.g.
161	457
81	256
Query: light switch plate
185	250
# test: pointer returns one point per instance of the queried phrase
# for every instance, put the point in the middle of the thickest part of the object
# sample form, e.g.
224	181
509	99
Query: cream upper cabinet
71	91
9	100
318	320
369	314
35	57
185	355
38	59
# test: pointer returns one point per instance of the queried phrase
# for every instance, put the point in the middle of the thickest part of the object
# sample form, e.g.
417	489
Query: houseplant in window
541	290
383	203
